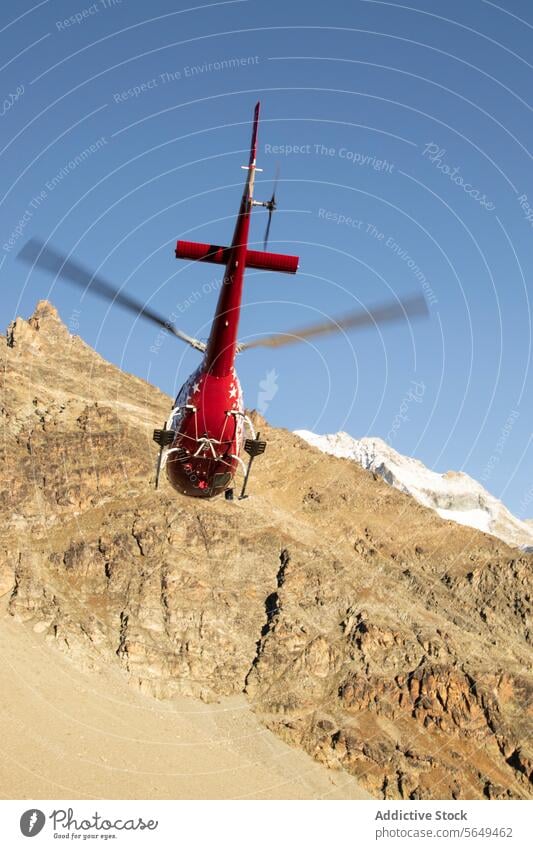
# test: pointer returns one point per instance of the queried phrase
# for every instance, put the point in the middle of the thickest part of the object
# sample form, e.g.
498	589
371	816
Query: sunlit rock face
362	627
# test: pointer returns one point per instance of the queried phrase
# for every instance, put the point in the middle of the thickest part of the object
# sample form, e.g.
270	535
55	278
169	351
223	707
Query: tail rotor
271	205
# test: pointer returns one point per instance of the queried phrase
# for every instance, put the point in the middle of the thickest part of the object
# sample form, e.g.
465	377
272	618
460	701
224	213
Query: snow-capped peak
454	495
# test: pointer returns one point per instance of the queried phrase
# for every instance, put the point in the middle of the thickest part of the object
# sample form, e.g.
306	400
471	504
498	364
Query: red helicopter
203	439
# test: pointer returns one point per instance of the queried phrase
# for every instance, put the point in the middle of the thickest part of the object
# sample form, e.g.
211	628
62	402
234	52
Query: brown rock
364	629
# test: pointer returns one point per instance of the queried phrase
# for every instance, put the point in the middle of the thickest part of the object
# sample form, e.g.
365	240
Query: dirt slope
70	734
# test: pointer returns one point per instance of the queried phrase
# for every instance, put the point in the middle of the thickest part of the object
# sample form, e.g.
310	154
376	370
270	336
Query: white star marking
195	388
233	392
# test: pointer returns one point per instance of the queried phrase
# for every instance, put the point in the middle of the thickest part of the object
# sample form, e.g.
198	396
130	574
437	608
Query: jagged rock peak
44	311
45	317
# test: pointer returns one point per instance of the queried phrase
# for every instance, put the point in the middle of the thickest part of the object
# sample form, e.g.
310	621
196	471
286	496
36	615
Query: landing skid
253	447
163	438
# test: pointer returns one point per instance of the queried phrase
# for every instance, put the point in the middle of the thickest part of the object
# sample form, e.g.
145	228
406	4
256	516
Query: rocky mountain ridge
362	628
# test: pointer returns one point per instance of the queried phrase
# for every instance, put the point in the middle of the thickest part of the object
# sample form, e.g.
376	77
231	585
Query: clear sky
403	133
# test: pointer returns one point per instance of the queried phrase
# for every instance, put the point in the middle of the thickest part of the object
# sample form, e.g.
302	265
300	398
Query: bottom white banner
263	824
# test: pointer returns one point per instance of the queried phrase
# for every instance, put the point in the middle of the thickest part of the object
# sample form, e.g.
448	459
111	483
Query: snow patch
454	496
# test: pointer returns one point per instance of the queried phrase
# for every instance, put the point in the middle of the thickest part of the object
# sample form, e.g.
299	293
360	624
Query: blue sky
403	134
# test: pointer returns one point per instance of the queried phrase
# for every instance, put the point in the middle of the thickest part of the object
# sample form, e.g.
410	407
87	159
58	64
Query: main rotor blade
391	311
35	253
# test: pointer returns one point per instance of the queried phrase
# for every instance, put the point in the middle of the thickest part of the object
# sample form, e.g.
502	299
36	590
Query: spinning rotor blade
271	206
388	312
47	259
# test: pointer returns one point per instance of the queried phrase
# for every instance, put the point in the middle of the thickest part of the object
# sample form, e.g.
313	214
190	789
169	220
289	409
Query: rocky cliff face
363	628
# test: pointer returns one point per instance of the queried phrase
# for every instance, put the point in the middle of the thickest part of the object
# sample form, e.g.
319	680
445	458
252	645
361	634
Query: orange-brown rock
383	640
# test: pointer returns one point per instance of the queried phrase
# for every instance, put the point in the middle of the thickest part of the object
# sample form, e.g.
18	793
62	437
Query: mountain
454	495
352	622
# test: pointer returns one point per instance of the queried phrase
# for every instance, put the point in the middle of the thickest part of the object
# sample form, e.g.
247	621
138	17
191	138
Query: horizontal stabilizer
220	255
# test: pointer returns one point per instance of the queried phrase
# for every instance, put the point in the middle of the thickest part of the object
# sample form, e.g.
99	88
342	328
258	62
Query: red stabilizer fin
220	255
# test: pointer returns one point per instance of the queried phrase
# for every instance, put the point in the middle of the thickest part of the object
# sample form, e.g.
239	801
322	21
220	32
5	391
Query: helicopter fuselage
208	418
